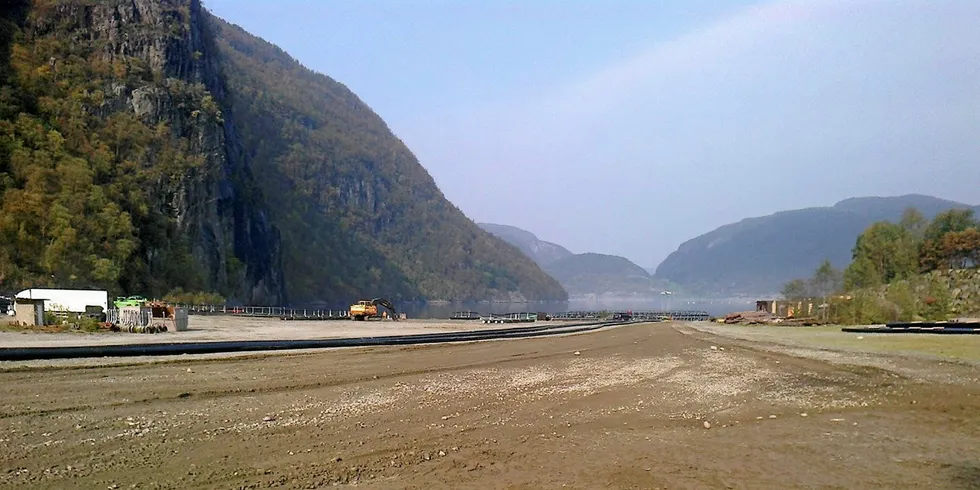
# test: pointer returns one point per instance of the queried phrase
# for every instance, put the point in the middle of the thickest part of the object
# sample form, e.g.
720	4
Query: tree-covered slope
358	213
147	146
113	164
540	251
760	255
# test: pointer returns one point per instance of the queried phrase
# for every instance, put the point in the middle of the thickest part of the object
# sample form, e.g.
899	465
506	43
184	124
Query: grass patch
953	347
83	324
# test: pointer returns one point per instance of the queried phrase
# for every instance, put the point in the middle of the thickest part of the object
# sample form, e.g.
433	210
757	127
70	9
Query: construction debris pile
766	318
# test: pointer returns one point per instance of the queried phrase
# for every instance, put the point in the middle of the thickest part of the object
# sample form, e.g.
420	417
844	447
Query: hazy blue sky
628	127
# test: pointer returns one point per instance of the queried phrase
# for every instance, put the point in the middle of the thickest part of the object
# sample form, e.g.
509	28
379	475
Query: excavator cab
365	309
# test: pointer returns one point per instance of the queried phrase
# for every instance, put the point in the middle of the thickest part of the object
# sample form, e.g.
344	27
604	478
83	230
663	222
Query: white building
70	300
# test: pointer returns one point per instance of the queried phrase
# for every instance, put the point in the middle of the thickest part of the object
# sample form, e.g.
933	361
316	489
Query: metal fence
266	311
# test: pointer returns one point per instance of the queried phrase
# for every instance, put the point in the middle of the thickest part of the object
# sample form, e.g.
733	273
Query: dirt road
629	411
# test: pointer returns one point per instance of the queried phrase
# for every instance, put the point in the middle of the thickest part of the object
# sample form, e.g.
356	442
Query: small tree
937	301
796	289
825	282
914	223
902	296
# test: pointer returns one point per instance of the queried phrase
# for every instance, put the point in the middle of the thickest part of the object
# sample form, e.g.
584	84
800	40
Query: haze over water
714	308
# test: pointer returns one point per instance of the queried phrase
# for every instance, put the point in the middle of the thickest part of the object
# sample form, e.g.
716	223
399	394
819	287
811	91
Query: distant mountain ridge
593	274
759	255
537	250
586	275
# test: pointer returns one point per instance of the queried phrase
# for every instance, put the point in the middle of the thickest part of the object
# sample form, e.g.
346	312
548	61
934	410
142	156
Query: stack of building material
750	318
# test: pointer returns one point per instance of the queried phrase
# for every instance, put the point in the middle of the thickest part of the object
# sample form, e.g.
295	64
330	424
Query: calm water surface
713	307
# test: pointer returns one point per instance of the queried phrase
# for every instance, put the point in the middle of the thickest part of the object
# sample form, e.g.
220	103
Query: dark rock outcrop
228	167
183	88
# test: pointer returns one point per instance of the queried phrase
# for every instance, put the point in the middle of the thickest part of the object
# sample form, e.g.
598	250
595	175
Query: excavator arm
387	304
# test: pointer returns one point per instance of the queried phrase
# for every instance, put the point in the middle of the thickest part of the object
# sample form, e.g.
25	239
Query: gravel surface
217	328
642	406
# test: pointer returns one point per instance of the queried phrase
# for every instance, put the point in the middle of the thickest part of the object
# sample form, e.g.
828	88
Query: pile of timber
750	318
766	318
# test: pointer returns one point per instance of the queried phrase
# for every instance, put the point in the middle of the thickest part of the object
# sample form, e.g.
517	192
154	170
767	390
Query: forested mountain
146	145
760	255
540	251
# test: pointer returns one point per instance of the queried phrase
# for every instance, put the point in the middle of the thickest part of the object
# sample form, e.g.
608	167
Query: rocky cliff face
358	213
168	76
147	146
959	289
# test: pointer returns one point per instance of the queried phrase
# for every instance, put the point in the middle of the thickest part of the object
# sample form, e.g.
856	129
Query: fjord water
716	307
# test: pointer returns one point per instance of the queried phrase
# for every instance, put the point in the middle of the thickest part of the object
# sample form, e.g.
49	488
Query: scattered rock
772	416
707	425
442	453
759	417
189	370
803	414
836	420
268	418
577	353
860	337
714	347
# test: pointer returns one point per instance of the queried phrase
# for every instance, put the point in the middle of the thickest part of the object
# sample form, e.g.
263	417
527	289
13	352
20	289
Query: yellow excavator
368	308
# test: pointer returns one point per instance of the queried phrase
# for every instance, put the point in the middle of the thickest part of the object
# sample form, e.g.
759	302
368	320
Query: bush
900	294
865	308
181	297
86	324
937	301
51	319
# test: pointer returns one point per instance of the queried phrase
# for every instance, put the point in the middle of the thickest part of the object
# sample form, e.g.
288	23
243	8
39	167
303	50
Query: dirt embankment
644	406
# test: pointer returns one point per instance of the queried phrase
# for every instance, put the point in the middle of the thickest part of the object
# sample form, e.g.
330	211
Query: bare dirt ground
216	328
629	411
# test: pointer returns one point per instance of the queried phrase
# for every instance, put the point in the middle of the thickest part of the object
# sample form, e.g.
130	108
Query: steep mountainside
539	251
147	145
759	255
358	213
115	169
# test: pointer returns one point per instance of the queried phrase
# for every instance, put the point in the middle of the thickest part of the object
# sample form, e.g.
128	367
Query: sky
628	127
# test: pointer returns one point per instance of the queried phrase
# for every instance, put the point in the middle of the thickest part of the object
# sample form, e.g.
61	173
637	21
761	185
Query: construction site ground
639	406
203	328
